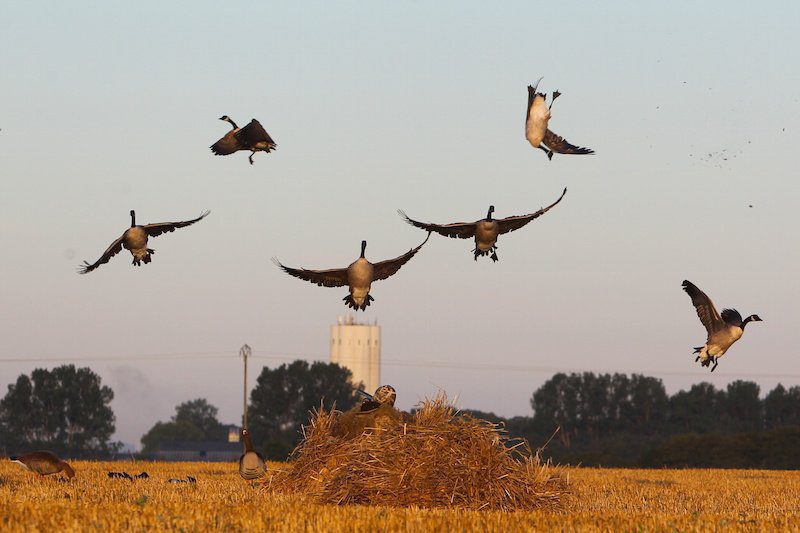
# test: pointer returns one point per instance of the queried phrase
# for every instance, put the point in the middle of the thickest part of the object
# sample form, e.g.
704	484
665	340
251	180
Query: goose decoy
251	463
723	330
358	276
385	394
484	231
43	463
252	137
135	240
537	118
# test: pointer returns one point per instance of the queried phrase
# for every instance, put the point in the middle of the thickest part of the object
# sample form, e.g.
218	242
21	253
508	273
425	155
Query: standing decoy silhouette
485	231
252	137
43	463
251	463
723	330
135	240
358	276
537	118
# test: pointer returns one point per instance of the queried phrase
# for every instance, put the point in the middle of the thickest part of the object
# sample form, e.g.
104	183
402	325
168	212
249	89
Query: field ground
603	499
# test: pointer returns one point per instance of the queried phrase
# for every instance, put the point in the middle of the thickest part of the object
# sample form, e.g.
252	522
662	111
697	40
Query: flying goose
358	276
251	463
252	137
135	240
484	231
537	117
723	330
43	463
385	394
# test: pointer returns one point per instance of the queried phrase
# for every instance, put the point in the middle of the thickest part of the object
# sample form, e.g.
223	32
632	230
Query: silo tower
357	347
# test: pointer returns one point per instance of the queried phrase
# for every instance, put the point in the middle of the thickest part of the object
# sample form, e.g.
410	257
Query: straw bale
433	458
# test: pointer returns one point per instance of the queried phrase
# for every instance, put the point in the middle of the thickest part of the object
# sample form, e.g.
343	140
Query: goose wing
706	311
154	230
335	277
227	145
513	223
384	269
559	145
732	317
252	134
111	251
458	230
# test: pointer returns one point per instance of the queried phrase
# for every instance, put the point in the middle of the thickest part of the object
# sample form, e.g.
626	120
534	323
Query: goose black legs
556	94
251	157
715	363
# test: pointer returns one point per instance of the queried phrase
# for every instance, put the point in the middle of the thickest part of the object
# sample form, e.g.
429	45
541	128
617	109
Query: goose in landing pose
252	137
537	118
484	231
358	276
251	463
135	240
43	463
723	330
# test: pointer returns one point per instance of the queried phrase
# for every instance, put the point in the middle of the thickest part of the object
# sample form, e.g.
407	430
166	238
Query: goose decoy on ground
385	394
359	276
252	137
537	119
43	463
723	330
485	231
251	463
135	240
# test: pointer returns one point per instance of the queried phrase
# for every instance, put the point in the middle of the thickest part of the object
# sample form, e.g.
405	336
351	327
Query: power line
388	361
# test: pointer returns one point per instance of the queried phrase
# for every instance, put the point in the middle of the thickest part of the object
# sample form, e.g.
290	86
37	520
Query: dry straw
434	458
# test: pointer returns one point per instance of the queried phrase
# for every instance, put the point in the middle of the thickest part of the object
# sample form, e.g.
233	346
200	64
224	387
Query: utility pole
245	352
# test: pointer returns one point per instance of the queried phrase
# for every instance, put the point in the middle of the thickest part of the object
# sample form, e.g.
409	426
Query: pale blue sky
107	107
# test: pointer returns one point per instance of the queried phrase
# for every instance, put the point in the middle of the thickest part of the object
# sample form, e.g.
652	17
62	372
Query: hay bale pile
434	458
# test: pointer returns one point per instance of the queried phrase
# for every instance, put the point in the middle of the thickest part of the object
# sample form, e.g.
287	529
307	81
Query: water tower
357	347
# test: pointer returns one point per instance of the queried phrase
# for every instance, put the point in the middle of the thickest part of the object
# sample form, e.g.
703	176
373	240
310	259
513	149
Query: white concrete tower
358	347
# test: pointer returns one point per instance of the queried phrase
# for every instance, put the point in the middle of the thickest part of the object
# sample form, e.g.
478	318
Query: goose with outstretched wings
484	231
537	120
359	276
252	137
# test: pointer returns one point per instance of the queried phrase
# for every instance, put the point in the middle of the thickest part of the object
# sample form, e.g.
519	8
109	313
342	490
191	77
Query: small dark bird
121	475
189	479
143	475
251	463
723	330
43	463
537	119
252	137
135	240
485	231
358	276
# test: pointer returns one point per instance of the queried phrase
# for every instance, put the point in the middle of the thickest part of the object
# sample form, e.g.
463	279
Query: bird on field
121	475
43	463
189	479
359	276
385	394
537	118
251	463
484	231
252	137
135	240
723	330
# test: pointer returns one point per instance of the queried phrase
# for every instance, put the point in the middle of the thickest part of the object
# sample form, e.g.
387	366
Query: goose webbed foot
251	157
494	257
696	359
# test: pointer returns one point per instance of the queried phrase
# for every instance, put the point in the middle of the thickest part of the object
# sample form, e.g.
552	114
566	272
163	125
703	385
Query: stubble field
602	499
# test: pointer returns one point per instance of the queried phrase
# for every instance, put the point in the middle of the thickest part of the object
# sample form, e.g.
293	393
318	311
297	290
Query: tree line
585	418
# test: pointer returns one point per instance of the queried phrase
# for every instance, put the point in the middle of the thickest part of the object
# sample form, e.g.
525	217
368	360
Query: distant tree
194	421
697	410
65	410
782	407
283	397
743	406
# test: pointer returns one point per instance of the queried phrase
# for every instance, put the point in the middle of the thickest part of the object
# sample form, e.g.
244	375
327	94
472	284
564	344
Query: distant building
198	451
358	347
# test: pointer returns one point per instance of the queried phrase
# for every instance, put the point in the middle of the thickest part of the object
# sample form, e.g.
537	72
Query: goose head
751	318
133	218
489	214
363	247
227	119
